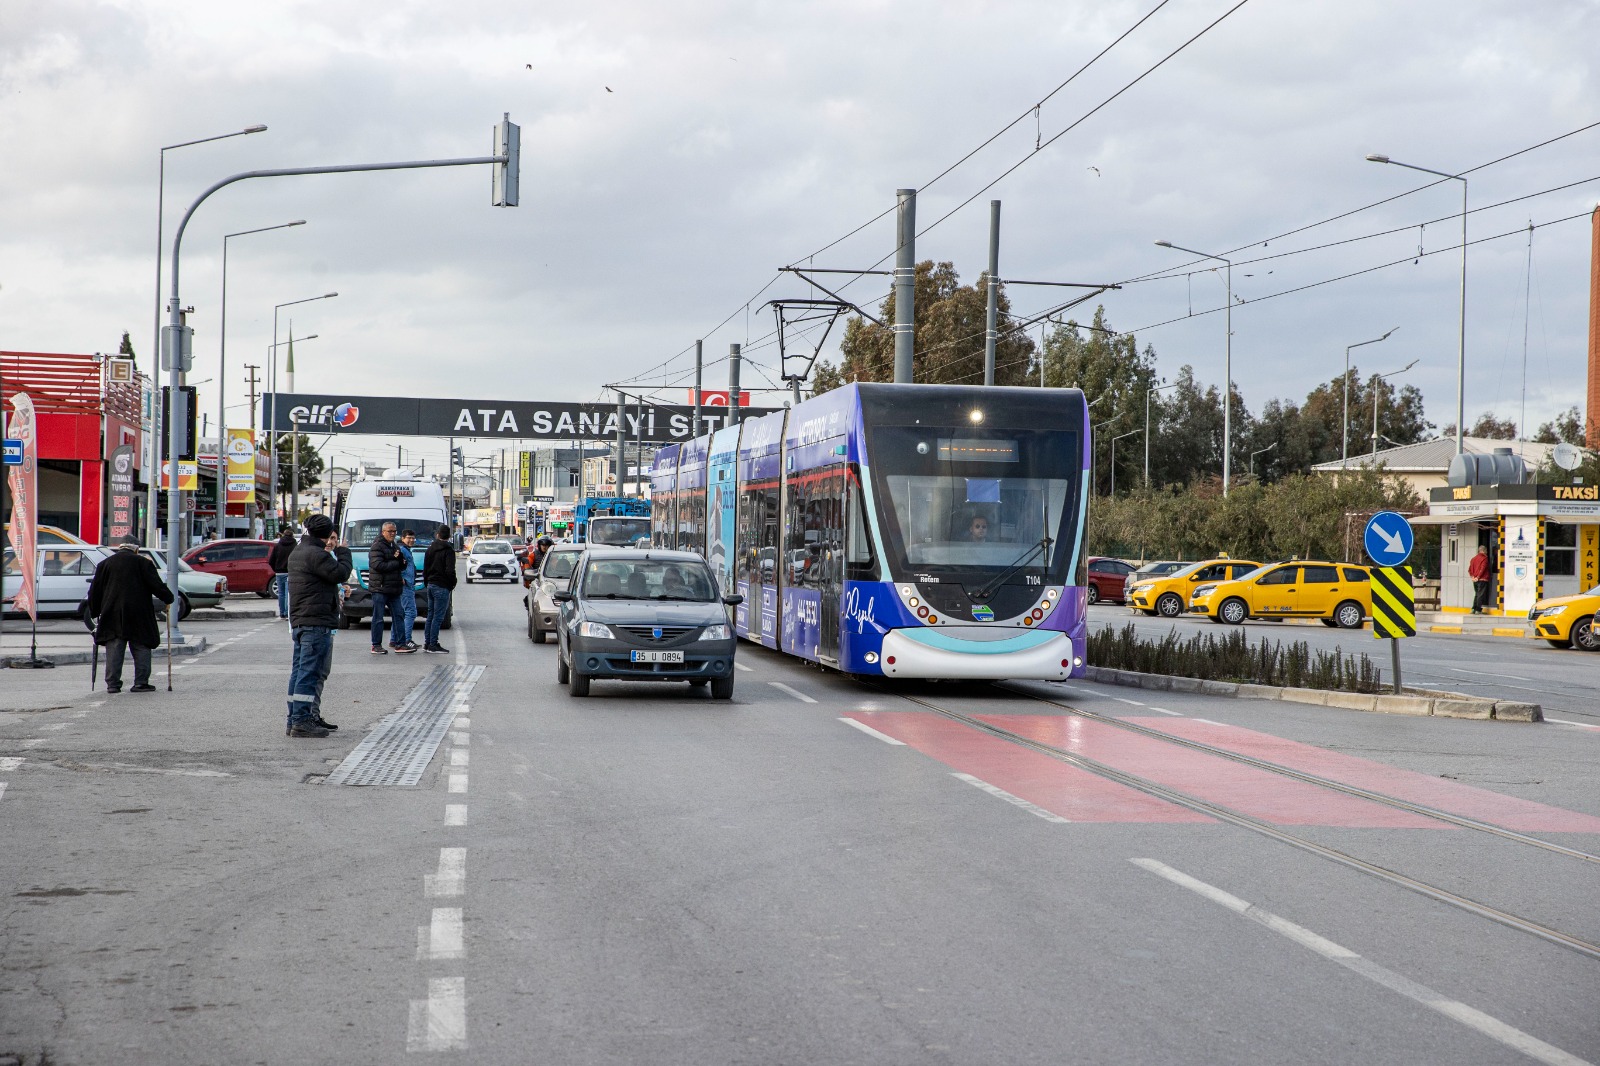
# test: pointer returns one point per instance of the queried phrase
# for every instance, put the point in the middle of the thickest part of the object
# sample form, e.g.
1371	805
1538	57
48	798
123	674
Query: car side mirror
562	596
733	601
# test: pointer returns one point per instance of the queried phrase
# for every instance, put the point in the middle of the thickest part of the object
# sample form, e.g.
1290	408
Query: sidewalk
1474	625
69	644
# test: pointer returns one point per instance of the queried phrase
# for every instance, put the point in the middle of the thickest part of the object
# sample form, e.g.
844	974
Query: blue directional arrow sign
13	452
1388	538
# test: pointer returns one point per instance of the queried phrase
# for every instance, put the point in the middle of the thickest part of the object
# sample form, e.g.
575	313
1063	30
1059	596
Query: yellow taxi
1337	593
1568	621
1168	594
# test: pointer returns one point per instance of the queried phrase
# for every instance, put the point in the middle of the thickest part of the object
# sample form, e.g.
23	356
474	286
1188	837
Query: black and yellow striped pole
1394	609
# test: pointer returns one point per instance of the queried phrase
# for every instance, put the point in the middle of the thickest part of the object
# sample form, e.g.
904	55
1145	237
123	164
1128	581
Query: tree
1114	376
1567	427
1488	426
126	349
950	319
311	464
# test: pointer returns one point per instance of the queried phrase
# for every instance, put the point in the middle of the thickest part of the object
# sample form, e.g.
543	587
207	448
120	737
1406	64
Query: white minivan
399	496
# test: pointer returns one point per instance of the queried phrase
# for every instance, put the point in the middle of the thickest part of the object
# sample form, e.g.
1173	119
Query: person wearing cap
317	566
124	614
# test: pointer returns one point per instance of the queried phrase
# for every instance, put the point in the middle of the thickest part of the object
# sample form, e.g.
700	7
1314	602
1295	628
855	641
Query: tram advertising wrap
917	531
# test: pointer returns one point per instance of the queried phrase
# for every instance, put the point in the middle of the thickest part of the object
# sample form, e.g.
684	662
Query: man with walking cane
120	602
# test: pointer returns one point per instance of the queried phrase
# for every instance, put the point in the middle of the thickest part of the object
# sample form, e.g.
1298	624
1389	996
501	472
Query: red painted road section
1063	790
1257	793
1465	800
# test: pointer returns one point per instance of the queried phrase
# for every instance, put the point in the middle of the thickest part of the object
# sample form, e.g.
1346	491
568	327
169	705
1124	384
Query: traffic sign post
1388	538
1394	610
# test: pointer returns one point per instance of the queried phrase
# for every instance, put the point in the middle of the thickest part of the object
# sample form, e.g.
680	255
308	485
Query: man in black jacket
120	602
316	568
280	566
385	563
439	577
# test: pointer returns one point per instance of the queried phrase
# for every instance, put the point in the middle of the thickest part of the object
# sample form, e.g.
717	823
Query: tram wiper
989	587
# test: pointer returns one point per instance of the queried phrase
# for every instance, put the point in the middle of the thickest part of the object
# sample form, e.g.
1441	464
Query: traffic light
508	145
457	458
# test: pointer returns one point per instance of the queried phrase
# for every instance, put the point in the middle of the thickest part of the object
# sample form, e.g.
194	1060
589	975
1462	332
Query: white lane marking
1207	721
462	722
1009	798
451	877
463	739
1568	721
439	1023
10	764
442	937
458	757
94	703
1489	1026
2	790
458	783
1163	710
31	742
455	814
56	725
871	732
1119	699
796	693
742	666
1486	673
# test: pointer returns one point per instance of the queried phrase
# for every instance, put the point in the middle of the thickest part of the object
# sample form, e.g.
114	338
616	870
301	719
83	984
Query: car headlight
594	629
1140	588
716	632
1203	590
1551	612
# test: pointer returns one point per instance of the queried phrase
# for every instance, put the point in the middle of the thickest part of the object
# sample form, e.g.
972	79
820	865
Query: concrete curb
76	658
1418	702
212	614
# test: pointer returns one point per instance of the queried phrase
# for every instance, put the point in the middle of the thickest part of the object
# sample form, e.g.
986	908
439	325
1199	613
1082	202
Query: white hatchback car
492	560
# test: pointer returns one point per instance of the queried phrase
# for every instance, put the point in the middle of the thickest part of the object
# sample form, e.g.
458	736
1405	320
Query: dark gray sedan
644	616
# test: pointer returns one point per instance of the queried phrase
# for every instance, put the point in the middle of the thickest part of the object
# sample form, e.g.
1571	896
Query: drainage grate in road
398	750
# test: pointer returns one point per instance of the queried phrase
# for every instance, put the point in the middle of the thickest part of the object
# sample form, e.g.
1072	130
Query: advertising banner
427	417
241	450
24	483
121	484
188	475
1524	548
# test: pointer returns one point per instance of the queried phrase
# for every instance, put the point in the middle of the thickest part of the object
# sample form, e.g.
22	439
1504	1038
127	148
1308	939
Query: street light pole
1461	327
272	383
1375	379
1114	440
1147	394
154	431
1344	447
1098	426
1257	452
1227	364
222	380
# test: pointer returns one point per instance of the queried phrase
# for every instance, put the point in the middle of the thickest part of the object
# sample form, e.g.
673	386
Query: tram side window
814	533
692	520
758	533
663	512
858	552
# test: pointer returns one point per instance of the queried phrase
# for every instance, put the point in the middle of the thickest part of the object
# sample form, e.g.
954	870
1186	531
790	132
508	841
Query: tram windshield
959	501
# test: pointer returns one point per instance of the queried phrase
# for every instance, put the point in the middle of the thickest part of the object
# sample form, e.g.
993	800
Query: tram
911	531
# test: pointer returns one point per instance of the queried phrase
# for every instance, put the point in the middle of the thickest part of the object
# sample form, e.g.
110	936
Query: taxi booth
1543	541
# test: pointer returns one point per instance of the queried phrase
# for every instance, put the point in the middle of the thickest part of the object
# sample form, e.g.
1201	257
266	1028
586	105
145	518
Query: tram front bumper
1029	654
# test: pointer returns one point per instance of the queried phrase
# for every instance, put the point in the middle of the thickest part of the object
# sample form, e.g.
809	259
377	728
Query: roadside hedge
1230	657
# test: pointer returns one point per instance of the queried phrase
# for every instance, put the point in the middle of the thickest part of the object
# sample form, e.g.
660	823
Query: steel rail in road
1254	825
1321	782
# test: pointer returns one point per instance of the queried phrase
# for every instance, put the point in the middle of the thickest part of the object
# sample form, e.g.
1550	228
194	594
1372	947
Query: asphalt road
816	872
1564	682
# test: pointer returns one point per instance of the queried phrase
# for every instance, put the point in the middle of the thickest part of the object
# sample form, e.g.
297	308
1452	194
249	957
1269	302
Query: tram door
830	578
759	517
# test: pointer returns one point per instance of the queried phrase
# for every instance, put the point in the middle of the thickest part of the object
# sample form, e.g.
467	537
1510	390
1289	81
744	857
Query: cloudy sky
675	155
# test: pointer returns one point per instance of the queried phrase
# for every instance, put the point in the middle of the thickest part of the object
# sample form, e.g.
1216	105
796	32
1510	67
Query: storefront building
1543	541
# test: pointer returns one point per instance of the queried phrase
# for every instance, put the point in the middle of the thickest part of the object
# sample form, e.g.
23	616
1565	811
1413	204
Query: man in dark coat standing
385	562
280	566
439	578
120	602
317	566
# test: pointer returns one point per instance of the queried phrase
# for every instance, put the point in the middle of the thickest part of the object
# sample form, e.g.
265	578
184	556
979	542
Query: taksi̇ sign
429	417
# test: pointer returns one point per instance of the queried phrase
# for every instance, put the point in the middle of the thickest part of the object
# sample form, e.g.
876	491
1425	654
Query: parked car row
1231	591
65	570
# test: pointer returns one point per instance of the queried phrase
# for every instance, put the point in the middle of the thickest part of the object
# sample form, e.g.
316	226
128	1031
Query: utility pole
638	449
622	437
450	507
294	476
733	385
905	284
250	507
992	315
697	370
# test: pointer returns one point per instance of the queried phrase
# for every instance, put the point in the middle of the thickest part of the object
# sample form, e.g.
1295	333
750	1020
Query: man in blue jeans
385	561
405	609
317	566
439	579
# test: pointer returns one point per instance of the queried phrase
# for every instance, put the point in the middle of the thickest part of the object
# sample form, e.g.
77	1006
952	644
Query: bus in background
400	497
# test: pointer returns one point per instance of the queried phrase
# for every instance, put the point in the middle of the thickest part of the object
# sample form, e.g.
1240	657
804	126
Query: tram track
1241	820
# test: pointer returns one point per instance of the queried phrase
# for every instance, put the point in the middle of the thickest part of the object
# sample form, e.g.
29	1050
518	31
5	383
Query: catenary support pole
905	284
733	385
622	438
698	368
992	312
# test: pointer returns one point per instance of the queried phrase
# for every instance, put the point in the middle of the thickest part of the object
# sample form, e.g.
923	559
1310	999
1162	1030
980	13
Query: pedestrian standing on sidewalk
385	561
439	578
318	565
280	567
125	616
1478	570
405	612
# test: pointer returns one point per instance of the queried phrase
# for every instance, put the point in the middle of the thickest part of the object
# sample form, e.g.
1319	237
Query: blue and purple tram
915	531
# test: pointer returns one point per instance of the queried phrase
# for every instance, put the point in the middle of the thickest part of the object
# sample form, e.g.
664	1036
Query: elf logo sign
341	415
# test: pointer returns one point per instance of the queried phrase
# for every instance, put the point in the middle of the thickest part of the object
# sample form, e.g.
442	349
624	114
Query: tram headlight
1050	594
976	416
914	601
905	590
871	657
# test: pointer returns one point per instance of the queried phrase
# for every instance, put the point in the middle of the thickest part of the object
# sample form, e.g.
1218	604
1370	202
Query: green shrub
1231	657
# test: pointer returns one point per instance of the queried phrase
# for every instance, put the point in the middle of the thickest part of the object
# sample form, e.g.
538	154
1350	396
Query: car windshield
491	547
618	532
648	579
968	501
361	532
559	564
160	559
1257	572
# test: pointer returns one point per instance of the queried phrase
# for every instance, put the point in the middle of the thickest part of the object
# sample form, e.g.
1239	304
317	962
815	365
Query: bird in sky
1096	171
530	66
608	88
